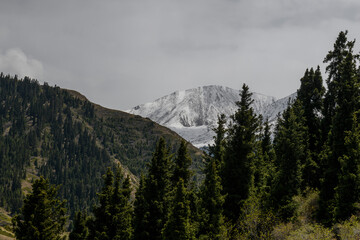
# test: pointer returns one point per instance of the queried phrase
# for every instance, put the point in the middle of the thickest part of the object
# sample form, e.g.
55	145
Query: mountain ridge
192	113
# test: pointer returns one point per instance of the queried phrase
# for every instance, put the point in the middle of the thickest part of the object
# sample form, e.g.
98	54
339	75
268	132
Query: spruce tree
212	200
347	192
290	145
80	230
334	59
182	164
152	202
112	218
237	172
310	94
43	216
140	218
347	102
178	226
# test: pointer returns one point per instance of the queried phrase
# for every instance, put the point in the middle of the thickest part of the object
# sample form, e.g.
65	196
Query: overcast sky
121	53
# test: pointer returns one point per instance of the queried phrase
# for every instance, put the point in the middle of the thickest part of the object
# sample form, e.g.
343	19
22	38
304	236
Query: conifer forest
70	169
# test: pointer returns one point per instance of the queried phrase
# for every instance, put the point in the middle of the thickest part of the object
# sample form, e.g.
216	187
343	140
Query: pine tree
80	230
290	144
140	219
310	95
217	151
347	192
182	164
212	200
43	215
334	59
237	172
178	226
347	102
112	218
152	202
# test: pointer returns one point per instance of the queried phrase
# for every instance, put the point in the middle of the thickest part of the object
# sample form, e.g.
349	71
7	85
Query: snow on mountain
193	113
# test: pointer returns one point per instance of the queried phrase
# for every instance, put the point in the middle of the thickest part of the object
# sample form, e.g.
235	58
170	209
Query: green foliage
182	164
310	95
43	213
178	226
291	154
112	218
345	90
254	223
212	200
153	197
237	172
349	229
80	230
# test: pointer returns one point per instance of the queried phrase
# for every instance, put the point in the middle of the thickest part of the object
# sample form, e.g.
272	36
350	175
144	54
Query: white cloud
14	61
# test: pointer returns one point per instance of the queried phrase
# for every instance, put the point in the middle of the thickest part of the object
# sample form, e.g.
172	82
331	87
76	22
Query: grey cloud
15	61
123	53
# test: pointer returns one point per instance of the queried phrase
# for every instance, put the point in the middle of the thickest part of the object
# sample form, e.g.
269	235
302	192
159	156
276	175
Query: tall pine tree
346	103
237	172
43	214
290	145
310	94
152	200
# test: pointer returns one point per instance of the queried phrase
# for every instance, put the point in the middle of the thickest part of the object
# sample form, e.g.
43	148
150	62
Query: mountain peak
192	113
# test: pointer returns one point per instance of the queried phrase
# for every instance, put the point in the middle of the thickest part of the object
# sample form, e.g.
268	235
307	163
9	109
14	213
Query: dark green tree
237	172
178	226
182	164
140	218
112	218
152	202
311	94
43	216
80	230
347	192
334	59
212	200
290	145
347	102
217	150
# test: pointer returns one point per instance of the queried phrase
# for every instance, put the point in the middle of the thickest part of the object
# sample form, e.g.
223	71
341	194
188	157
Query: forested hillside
59	134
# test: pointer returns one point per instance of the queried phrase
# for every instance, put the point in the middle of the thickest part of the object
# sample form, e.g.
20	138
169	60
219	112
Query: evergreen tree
217	151
290	144
334	59
347	102
212	200
43	214
347	192
80	230
237	172
152	202
140	218
182	164
310	94
178	226
112	219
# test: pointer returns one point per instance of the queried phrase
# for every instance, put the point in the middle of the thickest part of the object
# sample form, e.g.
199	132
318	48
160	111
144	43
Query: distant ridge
193	113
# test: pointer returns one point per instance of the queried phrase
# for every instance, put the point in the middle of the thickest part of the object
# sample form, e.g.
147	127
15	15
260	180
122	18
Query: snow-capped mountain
193	113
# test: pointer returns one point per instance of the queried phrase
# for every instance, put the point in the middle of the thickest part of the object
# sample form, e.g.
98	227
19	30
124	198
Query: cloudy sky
121	53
